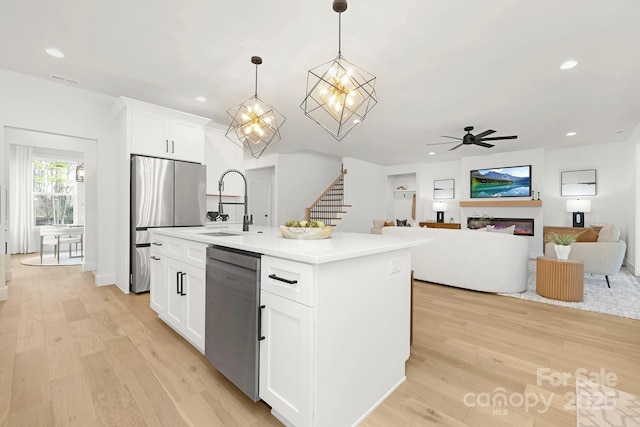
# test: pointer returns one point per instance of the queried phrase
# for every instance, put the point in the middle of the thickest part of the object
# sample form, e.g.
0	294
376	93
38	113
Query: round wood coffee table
560	279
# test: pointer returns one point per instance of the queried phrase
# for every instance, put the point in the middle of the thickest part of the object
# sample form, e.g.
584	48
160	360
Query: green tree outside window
54	192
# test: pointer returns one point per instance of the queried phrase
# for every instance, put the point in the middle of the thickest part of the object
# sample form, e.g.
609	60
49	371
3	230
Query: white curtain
21	230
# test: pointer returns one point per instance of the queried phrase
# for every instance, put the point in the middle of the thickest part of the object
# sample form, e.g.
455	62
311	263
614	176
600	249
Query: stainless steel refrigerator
164	193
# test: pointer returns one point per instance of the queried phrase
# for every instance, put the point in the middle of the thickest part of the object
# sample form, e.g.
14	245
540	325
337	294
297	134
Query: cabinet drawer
288	279
158	244
193	253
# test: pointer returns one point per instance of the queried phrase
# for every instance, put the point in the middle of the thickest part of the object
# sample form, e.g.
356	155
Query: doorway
77	150
260	183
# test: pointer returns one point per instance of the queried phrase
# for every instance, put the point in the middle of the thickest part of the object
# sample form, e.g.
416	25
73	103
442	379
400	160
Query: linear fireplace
524	226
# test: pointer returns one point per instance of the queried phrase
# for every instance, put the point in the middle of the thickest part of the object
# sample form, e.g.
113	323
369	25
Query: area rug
622	299
48	260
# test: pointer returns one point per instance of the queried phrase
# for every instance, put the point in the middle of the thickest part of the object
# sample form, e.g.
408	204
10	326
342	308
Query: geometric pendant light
255	125
339	94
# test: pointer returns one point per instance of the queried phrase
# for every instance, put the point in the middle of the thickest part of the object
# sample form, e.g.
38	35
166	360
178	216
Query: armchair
603	256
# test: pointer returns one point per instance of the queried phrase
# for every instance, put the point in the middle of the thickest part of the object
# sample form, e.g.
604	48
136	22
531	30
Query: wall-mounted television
512	181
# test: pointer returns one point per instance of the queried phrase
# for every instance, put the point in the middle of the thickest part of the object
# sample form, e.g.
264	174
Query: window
54	192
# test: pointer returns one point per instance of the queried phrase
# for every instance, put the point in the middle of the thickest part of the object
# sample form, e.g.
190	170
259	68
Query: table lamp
440	208
578	207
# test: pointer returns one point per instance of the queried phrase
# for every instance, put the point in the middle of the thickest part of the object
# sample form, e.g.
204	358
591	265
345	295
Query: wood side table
560	279
451	225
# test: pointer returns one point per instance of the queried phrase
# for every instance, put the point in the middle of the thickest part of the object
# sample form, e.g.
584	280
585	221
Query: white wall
614	165
42	105
365	189
431	172
536	159
302	178
299	179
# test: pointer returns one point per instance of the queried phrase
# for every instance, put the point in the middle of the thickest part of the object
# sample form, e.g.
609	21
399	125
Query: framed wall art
443	189
578	183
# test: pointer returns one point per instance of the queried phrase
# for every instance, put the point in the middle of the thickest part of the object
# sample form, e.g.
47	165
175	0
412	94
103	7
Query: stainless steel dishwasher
232	316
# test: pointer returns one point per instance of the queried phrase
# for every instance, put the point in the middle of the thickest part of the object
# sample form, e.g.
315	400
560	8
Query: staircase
330	204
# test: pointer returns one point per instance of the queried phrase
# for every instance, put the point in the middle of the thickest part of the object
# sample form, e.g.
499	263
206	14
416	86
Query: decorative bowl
305	233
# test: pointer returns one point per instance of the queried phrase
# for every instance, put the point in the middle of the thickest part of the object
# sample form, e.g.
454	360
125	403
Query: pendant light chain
256	81
340	34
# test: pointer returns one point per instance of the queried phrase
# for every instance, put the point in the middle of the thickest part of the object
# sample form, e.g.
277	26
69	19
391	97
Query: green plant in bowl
561	239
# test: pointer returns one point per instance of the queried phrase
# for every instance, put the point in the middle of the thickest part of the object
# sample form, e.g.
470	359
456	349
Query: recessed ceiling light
201	99
571	133
568	64
431	153
56	53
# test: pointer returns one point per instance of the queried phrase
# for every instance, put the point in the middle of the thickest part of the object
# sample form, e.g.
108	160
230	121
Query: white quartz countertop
269	241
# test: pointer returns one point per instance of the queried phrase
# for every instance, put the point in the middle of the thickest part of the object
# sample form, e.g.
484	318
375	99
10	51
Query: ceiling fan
469	139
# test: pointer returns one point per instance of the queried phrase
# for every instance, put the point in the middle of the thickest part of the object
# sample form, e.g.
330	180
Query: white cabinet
178	276
159	294
286	358
287	350
161	135
186	300
222	154
336	336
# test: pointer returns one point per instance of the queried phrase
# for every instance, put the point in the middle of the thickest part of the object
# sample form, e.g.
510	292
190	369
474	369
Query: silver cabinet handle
156	243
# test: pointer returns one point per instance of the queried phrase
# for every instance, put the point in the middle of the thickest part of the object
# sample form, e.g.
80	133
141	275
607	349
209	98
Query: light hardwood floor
75	354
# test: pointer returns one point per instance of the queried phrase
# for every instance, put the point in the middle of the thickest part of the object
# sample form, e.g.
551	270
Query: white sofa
470	259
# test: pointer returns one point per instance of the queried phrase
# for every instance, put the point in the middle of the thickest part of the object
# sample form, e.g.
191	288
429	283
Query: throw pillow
389	224
508	230
378	223
609	233
588	235
401	222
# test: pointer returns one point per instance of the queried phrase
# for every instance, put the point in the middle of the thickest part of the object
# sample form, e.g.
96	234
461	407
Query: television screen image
513	181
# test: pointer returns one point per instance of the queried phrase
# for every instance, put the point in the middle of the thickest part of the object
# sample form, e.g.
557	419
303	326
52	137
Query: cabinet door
194	287
176	303
150	134
187	141
286	358
159	292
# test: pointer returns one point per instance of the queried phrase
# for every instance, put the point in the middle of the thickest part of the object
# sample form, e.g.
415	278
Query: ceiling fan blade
457	146
485	133
496	138
452	137
483	144
440	143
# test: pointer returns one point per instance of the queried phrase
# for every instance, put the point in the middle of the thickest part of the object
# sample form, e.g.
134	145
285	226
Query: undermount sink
220	234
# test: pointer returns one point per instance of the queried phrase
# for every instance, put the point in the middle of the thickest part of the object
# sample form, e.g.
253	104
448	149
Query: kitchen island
336	330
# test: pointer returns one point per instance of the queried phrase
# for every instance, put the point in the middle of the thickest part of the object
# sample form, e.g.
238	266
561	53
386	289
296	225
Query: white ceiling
440	65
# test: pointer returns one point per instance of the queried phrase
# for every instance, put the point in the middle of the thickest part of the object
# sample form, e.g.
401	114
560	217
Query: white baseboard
104	279
631	267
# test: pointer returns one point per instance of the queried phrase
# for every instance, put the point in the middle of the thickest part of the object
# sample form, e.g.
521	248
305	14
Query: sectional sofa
470	259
